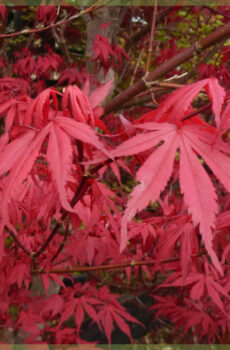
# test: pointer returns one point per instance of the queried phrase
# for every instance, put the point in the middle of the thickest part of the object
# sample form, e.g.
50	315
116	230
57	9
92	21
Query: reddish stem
19	243
81	190
151	38
166	67
110	267
198	111
53	25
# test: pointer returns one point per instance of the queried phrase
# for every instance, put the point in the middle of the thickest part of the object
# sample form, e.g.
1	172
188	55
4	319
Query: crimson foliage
138	200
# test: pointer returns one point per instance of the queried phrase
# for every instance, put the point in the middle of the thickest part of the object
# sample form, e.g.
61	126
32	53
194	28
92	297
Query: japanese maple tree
114	170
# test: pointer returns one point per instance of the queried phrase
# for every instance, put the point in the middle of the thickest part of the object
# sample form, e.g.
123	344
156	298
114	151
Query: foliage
135	195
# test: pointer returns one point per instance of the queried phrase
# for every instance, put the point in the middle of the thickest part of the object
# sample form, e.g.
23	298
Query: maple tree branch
167	66
60	39
138	35
137	66
53	25
19	243
121	75
29	40
50	237
81	190
145	95
198	111
216	11
139	101
62	244
109	267
150	49
79	145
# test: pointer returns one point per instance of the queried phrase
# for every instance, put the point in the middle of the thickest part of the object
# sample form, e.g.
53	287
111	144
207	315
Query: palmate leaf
199	193
82	132
19	157
153	175
15	149
75	100
178	103
199	282
111	311
20	169
59	156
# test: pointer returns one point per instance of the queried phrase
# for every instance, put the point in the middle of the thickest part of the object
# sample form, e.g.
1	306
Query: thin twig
140	99
53	25
19	243
29	40
198	111
60	39
216	11
151	38
137	66
110	267
121	75
62	244
79	145
81	190
138	35
50	237
147	95
196	48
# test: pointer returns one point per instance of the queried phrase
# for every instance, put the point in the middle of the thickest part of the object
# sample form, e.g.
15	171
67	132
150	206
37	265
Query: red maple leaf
111	311
166	138
20	156
199	282
46	14
102	48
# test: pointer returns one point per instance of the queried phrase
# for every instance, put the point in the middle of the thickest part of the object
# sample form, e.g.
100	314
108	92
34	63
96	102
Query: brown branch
62	244
139	99
53	25
63	45
146	96
138	35
81	190
29	40
150	49
19	243
80	150
50	237
60	39
198	111
121	76
142	99
109	267
216	11
137	66
167	66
